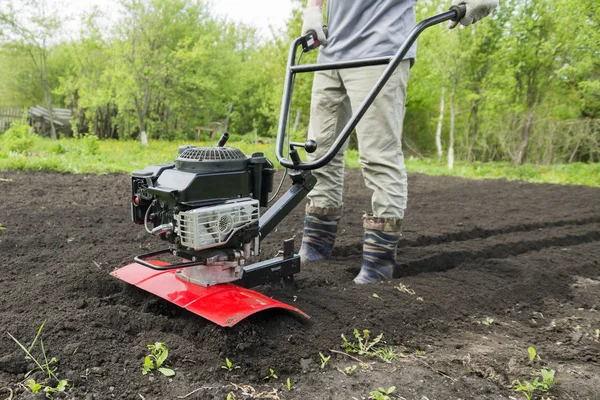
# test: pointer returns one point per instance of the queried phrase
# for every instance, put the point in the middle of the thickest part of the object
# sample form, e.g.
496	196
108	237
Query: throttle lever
310	40
310	146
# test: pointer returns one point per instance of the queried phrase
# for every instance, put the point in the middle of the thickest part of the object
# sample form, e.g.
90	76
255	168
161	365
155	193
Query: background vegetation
520	87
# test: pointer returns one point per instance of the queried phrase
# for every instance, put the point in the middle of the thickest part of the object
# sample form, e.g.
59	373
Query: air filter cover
211	160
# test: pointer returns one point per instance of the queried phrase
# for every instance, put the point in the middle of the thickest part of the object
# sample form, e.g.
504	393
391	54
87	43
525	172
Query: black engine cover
201	176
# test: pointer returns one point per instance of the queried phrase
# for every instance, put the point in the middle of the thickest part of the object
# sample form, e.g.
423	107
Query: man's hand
476	10
313	21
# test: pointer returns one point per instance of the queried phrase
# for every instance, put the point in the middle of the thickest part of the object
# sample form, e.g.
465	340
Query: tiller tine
224	304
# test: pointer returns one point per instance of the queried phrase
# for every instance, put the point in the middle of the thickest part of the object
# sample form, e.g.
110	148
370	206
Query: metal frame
455	13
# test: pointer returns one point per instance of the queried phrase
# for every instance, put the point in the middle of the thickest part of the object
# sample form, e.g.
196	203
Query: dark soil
525	256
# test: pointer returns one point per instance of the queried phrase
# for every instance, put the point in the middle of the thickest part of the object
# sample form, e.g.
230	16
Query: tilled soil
486	269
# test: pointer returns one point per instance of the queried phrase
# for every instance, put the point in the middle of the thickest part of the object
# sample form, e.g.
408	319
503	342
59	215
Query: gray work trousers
335	95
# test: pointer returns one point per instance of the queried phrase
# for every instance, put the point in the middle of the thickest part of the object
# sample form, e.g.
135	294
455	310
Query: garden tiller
208	206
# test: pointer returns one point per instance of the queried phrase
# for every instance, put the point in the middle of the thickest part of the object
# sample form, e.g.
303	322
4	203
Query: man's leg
330	110
380	147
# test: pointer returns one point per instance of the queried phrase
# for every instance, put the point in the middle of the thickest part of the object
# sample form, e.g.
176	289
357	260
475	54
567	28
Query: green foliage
288	384
362	346
272	375
523	84
532	354
128	155
50	384
382	393
17	138
324	360
155	360
542	384
229	365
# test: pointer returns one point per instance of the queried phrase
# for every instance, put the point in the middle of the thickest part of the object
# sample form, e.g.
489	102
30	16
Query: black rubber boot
320	230
379	249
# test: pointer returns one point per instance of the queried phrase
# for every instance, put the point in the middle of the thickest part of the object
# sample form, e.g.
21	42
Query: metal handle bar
455	13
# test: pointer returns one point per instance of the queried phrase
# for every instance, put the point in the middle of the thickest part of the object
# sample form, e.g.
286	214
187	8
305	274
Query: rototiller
208	206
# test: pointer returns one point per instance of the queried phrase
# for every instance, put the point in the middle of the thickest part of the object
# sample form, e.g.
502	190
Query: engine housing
209	197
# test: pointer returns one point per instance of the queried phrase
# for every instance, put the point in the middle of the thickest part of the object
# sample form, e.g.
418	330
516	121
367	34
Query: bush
91	145
18	138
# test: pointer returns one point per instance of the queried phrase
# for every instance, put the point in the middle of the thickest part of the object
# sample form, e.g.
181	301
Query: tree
30	31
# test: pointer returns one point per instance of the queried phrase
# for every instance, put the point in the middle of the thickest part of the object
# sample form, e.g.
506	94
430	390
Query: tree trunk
452	127
438	132
48	96
524	146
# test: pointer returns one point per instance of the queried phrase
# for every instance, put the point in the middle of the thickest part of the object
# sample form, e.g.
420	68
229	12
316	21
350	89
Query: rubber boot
379	249
320	230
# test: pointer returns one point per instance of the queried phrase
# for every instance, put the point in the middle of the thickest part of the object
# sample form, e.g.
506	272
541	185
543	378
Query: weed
532	354
288	384
272	375
2	228
229	365
363	345
419	352
487	321
542	383
386	353
157	357
350	370
324	360
597	335
381	393
376	296
51	384
230	396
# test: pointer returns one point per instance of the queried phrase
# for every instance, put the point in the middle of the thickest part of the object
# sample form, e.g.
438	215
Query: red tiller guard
223	304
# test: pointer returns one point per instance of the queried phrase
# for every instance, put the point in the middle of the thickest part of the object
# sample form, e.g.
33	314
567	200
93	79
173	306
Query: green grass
98	157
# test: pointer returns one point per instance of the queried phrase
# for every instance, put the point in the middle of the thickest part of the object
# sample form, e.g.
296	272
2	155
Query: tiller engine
208	204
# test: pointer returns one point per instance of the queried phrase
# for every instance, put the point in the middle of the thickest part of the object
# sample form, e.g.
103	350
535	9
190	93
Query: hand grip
310	40
461	11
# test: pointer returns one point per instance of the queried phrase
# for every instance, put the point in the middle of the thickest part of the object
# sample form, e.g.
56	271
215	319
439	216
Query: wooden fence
8	115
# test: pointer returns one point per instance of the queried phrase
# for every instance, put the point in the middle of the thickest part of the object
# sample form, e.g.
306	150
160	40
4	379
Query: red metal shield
224	304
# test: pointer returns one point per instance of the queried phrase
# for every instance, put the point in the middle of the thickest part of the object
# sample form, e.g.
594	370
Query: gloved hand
313	21
476	10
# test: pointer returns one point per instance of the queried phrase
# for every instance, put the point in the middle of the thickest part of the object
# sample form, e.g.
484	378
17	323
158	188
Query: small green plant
350	370
532	354
288	384
51	384
155	360
230	396
2	228
365	346
272	375
324	360
542	383
597	335
362	346
229	365
386	353
382	393
419	352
